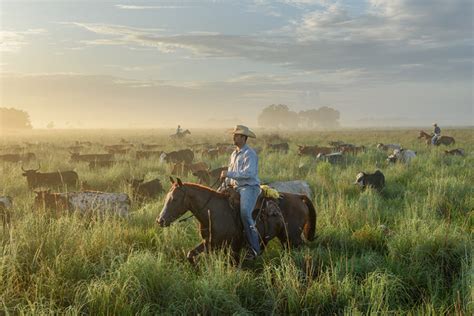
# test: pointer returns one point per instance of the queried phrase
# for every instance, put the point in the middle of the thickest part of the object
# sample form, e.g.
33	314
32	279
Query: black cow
375	180
36	179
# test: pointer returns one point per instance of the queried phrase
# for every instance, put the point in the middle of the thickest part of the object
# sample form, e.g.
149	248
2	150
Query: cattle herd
182	163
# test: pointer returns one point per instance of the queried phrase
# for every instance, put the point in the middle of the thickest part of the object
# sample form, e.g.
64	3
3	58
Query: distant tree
14	119
278	116
50	125
328	117
322	117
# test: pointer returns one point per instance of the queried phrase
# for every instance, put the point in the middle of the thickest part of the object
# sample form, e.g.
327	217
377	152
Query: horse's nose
160	221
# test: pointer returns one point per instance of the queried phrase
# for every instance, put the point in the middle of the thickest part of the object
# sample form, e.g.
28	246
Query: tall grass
406	250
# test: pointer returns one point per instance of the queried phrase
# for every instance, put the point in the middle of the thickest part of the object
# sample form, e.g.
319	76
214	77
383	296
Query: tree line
281	116
11	118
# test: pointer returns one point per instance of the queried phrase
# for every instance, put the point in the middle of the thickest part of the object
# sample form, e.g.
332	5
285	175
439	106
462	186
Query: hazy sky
159	63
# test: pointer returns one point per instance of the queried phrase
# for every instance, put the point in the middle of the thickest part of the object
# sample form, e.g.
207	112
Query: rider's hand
223	174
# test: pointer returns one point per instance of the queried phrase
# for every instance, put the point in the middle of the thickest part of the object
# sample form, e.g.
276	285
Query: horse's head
174	204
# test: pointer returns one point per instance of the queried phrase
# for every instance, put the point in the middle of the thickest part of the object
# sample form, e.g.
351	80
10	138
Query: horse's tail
310	227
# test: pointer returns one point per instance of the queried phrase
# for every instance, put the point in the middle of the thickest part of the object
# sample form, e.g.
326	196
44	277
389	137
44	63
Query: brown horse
445	140
220	225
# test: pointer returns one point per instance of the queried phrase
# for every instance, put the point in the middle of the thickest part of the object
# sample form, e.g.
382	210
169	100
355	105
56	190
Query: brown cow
17	157
313	150
101	164
76	157
455	152
147	154
352	149
282	147
206	176
184	155
145	190
211	153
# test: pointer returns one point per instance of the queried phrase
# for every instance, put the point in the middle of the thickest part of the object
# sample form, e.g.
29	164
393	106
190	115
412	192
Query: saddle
267	202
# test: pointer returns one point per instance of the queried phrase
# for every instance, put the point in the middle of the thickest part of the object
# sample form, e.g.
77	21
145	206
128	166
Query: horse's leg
192	254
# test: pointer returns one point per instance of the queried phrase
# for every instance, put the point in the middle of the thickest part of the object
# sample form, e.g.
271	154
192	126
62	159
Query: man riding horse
179	130
242	174
436	134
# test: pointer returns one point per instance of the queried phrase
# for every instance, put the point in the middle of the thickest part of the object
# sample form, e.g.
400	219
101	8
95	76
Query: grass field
407	250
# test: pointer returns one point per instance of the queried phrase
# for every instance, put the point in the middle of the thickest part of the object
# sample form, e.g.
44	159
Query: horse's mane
202	187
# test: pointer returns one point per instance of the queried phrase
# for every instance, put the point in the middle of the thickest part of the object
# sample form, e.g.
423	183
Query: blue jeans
248	198
434	139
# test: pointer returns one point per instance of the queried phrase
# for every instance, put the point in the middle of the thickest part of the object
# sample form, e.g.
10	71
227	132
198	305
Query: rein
202	208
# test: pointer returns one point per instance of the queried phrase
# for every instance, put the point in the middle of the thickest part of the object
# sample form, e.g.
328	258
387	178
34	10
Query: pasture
407	249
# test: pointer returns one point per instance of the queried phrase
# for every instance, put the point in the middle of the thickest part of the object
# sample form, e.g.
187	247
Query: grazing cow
207	177
145	190
388	146
6	204
336	143
225	148
455	152
374	180
147	154
352	149
151	146
10	157
193	167
116	147
36	179
295	187
85	202
402	155
76	157
210	153
123	151
313	150
101	164
332	158
76	148
87	143
184	155
282	147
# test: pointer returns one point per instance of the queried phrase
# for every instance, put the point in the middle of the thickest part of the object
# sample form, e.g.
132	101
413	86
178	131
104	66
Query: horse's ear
172	180
179	182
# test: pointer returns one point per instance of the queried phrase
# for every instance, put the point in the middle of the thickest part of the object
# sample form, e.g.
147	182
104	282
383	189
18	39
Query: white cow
402	155
297	187
6	204
101	202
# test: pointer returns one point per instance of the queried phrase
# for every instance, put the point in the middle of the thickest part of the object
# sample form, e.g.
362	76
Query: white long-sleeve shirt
243	167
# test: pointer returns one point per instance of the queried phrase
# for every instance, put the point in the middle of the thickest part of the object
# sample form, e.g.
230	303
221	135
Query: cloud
376	44
13	41
150	7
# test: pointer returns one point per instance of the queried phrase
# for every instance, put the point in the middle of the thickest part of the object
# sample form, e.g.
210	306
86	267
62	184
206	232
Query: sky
156	64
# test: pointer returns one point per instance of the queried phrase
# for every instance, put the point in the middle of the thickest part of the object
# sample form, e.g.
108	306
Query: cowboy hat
434	124
243	130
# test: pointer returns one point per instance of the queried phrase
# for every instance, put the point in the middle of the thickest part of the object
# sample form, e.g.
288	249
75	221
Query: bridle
202	207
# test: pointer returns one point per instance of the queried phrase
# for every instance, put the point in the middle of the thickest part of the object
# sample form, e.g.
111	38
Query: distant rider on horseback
436	134
179	130
242	174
